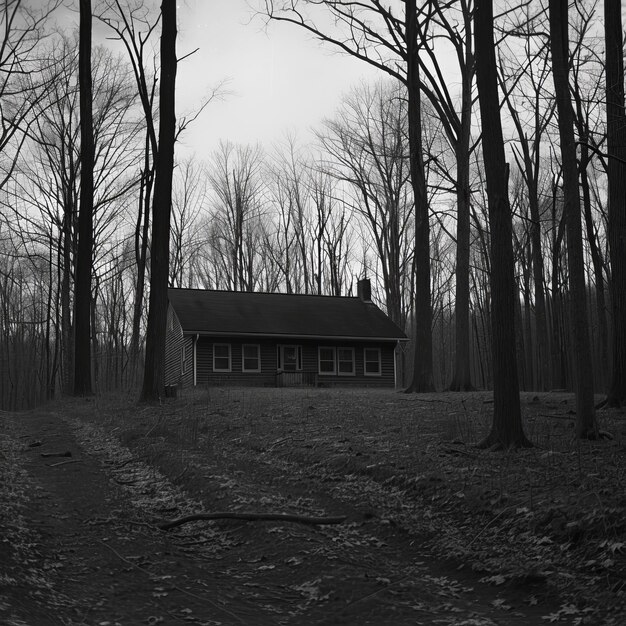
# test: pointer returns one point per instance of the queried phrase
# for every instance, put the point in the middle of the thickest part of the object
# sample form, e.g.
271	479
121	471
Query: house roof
280	315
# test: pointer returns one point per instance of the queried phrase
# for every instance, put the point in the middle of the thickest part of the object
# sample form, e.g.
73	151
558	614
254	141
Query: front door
289	358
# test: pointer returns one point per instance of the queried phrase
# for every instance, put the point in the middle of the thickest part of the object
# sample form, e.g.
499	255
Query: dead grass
554	512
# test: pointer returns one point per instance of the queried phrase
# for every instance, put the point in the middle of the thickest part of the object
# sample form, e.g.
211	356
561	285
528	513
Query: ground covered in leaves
436	530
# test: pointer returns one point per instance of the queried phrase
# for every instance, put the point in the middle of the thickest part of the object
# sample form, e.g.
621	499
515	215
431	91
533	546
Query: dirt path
79	546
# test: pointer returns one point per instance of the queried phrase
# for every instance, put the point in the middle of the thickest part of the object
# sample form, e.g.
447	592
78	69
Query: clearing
436	531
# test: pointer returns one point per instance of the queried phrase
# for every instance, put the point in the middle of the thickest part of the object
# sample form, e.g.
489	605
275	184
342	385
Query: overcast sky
280	78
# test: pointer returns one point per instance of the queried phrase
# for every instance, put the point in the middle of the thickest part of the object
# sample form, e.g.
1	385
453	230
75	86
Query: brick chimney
364	289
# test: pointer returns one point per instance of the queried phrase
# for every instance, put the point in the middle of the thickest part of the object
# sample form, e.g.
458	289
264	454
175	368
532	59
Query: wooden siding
204	363
297	379
173	348
269	375
187	374
387	358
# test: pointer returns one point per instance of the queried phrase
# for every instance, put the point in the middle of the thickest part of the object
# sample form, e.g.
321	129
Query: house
276	339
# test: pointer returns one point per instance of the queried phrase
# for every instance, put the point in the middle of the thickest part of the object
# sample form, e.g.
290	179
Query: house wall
178	353
204	363
173	348
269	363
187	368
386	379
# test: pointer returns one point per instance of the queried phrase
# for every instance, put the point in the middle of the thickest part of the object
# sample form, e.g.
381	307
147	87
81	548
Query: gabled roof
280	315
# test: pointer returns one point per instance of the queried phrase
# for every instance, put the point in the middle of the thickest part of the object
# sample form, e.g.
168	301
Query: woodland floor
437	531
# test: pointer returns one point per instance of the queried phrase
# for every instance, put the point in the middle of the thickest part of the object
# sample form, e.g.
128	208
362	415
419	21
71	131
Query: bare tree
332	236
186	239
453	22
236	184
586	88
390	42
134	26
616	140
506	429
154	372
23	28
22	85
44	191
289	192
586	426
524	84
26	364
366	142
84	261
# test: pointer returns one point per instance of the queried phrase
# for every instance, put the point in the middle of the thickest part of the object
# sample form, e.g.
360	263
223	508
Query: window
371	358
251	358
336	361
221	357
289	358
345	361
327	361
183	360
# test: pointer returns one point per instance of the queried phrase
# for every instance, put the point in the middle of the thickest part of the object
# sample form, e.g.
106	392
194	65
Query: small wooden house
275	339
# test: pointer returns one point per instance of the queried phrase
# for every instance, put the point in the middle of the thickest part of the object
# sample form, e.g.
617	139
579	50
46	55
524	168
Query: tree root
251	517
595	435
492	444
611	402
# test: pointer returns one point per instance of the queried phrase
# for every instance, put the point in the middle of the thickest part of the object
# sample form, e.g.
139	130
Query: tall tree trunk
506	429
142	233
94	338
531	175
597	263
84	262
51	313
525	322
581	121
542	342
65	280
616	131
154	372
423	354
462	380
581	346
559	367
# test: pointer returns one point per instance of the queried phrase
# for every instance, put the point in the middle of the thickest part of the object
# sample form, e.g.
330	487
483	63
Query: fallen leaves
24	565
548	517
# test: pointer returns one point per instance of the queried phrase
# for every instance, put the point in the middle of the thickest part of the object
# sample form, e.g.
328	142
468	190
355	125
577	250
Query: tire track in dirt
98	560
386	570
105	561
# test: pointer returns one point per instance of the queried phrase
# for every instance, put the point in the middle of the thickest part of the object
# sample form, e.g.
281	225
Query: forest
479	182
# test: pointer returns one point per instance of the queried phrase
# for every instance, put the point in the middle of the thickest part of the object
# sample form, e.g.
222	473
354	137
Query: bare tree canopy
492	234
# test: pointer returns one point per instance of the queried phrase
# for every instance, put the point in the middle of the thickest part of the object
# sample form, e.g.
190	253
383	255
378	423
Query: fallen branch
49	454
125	482
63	463
179	476
558	416
251	517
126	462
280	442
459	452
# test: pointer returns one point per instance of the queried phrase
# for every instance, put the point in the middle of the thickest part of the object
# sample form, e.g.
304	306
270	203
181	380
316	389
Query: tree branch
251	517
